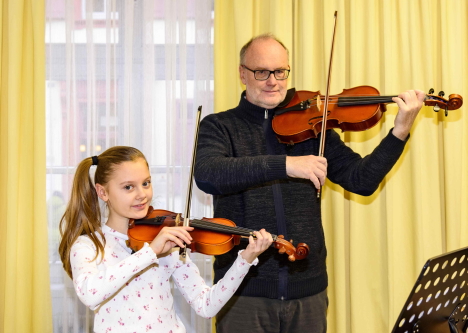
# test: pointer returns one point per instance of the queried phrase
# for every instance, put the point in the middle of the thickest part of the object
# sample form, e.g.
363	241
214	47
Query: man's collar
254	113
289	96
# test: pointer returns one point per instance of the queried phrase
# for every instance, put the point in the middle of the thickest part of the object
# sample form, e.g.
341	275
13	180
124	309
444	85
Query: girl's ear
101	192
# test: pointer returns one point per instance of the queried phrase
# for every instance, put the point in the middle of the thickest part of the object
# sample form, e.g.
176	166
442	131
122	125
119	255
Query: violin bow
325	108
183	251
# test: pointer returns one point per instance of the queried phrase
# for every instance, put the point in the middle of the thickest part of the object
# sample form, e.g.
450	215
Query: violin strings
355	100
227	227
158	220
222	227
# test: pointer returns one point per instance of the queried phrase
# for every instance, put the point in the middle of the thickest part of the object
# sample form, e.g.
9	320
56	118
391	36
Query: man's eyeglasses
264	74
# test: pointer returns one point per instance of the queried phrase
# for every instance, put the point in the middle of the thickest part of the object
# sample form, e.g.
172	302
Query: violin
210	236
300	116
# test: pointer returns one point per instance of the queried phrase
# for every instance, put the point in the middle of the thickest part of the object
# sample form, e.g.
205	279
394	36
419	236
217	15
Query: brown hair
268	35
83	215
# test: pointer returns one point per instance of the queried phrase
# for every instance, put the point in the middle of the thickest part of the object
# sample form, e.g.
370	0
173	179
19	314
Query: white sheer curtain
123	72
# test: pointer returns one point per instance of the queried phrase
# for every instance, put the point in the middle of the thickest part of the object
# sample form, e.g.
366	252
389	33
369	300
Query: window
126	73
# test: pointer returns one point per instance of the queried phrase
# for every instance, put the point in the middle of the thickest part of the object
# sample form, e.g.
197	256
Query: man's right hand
309	167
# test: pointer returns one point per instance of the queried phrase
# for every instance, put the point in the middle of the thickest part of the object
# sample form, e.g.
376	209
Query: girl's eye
128	187
147	183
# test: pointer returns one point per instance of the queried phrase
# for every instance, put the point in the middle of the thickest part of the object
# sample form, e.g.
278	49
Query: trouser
257	314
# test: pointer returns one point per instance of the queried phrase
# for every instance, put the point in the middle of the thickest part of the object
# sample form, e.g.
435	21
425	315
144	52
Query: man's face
266	54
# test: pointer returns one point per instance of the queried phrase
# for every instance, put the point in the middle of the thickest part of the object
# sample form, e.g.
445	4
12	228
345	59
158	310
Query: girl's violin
210	236
300	116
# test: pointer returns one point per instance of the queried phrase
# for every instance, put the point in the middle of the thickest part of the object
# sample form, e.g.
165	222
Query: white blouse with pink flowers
131	292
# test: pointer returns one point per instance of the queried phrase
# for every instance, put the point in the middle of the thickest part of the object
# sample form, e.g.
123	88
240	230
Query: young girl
131	292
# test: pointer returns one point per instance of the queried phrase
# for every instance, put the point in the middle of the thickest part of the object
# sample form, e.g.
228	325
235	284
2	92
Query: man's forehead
265	43
269	50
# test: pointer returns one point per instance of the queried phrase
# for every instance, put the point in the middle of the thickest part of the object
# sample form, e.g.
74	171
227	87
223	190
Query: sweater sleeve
204	300
361	175
94	284
219	171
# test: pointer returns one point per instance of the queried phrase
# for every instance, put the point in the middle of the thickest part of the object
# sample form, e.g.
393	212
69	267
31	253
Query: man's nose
271	79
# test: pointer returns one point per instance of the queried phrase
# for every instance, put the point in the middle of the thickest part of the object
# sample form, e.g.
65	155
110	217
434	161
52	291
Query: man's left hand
409	103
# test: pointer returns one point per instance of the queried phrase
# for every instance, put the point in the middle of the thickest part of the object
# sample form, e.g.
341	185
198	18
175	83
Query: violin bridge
319	102
177	221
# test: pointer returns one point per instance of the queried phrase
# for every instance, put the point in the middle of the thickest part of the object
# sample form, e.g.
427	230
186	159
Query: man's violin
210	236
300	116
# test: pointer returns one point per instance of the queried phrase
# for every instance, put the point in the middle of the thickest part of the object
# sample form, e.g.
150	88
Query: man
258	182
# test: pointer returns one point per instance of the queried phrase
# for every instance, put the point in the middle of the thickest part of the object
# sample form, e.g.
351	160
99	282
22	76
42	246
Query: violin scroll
302	250
294	254
454	102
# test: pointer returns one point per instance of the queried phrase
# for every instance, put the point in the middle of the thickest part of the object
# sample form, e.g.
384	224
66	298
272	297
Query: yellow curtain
25	304
235	23
378	244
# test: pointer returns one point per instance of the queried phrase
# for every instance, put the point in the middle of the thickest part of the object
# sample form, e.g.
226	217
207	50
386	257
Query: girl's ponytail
82	216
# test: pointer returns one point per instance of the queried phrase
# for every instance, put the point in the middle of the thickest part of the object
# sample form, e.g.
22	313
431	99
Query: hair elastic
92	169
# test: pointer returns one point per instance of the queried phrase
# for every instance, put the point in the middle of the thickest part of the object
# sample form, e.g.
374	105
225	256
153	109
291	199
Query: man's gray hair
265	36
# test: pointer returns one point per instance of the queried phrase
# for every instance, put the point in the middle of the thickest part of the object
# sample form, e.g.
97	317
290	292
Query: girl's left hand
257	246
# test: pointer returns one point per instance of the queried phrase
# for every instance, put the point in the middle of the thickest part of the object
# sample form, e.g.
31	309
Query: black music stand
438	301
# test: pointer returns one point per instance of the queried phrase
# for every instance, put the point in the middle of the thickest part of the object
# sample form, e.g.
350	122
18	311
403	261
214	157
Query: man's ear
242	74
101	192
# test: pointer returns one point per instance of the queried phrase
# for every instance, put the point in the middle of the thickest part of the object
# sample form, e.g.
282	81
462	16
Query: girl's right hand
170	237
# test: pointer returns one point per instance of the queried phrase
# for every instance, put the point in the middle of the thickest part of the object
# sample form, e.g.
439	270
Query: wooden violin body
204	241
210	236
355	109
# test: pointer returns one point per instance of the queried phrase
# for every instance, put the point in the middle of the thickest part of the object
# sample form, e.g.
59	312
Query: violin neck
201	224
234	230
364	100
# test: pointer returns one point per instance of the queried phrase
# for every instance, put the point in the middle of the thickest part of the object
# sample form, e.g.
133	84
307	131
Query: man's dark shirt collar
256	113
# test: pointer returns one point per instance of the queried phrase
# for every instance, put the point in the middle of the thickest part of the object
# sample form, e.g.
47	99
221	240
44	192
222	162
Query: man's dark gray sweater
233	165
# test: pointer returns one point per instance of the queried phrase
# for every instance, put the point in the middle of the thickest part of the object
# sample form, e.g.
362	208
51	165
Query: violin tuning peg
291	241
431	91
441	93
436	108
282	250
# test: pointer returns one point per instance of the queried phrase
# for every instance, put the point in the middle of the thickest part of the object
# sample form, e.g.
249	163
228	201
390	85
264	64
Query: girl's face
129	192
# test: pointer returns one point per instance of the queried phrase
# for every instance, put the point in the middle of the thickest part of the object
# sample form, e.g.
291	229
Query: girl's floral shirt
132	292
